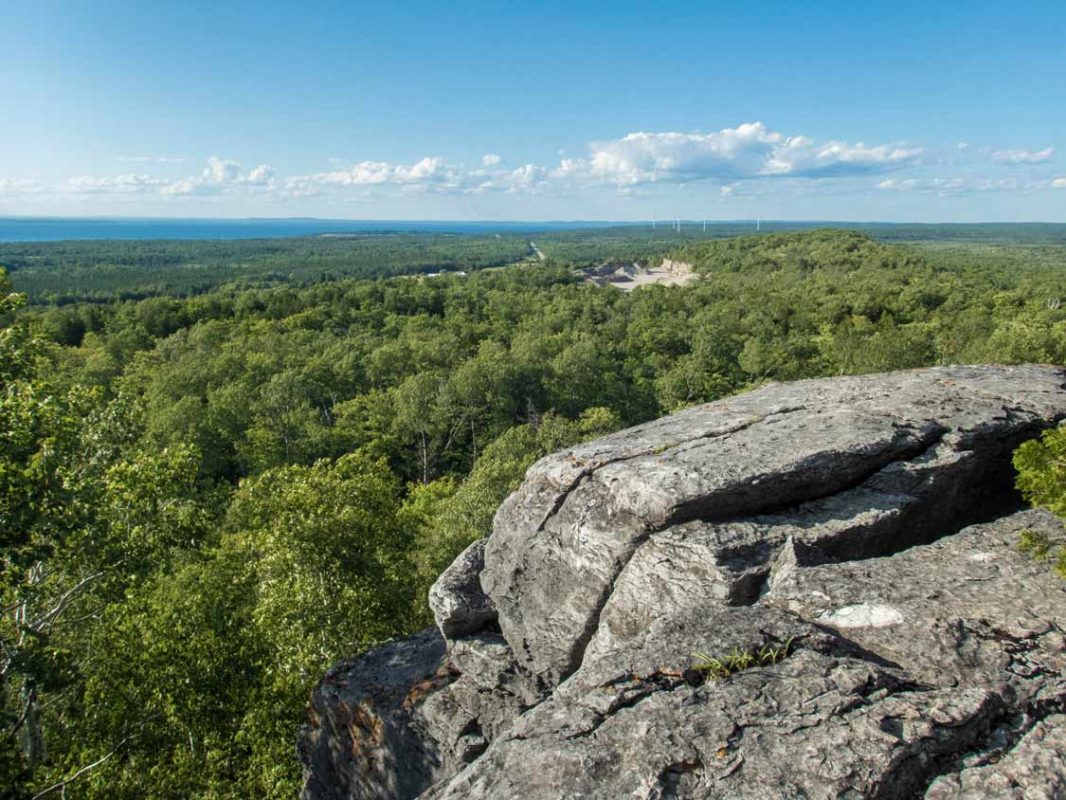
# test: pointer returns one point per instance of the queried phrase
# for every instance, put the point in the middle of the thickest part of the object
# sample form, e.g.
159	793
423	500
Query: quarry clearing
628	277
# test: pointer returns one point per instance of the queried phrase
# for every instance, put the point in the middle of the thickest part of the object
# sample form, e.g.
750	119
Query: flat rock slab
560	542
967	608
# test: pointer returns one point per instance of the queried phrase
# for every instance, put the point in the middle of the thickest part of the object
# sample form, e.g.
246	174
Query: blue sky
948	111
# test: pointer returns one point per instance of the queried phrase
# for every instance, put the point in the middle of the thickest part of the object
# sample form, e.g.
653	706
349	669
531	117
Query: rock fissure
593	624
805	490
588	470
997	738
751	584
625	700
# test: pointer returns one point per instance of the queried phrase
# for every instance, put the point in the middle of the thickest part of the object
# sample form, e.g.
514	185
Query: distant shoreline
57	229
63	229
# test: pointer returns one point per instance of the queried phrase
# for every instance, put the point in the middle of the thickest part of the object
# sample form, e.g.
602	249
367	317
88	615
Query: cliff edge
809	590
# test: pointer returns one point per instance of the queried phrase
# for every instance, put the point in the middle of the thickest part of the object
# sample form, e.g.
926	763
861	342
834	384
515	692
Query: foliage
328	554
1041	466
84	518
737	660
210	494
1044	548
65	272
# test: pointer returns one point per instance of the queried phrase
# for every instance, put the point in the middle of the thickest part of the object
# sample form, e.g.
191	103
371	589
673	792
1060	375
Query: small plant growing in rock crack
1044	548
719	667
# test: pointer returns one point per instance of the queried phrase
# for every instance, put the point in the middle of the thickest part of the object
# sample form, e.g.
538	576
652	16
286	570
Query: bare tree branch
89	767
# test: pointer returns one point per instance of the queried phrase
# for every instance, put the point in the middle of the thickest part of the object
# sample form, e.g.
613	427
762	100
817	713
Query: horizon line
553	221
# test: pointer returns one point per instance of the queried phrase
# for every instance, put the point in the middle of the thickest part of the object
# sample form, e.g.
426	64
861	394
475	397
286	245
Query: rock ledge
867	524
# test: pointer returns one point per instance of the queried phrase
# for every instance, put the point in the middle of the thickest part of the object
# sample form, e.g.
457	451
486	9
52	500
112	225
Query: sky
890	111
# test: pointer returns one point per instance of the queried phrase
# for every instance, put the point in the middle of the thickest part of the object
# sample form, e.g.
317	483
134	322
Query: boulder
458	604
810	590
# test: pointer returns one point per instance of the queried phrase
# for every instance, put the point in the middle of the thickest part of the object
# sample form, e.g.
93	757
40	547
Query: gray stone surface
1031	771
560	542
362	739
459	605
944	653
830	520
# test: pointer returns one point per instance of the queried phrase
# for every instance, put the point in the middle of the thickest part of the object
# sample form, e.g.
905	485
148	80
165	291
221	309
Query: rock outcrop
845	547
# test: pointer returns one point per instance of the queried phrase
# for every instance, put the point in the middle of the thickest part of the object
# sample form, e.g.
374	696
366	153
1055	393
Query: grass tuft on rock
737	660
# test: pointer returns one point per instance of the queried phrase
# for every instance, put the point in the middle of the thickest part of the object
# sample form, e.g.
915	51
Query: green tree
1041	465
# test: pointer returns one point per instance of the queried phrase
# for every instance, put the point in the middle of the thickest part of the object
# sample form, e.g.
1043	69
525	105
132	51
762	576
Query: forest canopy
209	492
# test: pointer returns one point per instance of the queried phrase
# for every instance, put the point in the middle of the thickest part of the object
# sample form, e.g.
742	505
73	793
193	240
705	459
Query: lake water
42	229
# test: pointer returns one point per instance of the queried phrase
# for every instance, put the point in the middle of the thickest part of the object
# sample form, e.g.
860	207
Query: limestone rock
844	550
943	662
863	465
1032	770
362	740
459	605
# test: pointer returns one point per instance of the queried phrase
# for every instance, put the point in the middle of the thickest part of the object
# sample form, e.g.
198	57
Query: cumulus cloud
219	171
1023	156
527	178
218	176
802	157
430	174
260	176
221	175
741	160
431	171
748	151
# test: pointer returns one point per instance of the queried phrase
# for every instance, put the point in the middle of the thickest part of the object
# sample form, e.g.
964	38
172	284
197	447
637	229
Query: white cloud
959	186
217	177
221	175
740	161
430	174
188	186
219	171
260	176
527	178
151	160
1023	156
118	184
14	187
429	171
750	150
801	157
